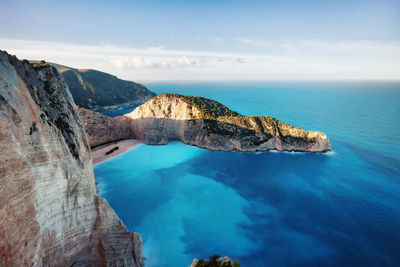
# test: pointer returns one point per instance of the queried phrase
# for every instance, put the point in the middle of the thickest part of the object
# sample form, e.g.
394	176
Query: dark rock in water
50	214
215	261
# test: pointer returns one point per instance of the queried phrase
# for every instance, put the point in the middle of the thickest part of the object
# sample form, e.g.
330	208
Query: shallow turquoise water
118	112
269	209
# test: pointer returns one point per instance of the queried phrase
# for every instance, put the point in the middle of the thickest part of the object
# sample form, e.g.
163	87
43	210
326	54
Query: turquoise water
118	112
271	209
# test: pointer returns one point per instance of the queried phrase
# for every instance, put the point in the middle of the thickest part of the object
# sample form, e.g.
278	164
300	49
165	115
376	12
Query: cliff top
207	109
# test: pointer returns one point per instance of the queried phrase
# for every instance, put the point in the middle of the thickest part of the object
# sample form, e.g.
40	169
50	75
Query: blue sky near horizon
200	40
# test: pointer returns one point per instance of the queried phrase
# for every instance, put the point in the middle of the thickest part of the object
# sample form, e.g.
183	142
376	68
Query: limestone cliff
203	123
208	124
50	214
102	129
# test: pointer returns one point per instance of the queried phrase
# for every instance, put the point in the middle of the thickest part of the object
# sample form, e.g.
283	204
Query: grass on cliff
213	110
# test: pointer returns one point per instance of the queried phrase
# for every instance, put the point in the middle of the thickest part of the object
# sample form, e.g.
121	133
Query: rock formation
208	124
214	261
96	89
102	129
203	123
50	214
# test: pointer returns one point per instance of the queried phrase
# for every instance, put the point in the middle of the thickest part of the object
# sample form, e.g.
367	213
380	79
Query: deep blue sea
271	209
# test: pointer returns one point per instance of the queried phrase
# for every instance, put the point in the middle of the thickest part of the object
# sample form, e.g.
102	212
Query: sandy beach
107	151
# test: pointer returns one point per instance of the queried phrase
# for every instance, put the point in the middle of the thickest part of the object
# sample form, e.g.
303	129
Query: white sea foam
330	153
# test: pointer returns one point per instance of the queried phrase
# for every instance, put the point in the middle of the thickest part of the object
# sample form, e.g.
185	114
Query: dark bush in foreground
216	261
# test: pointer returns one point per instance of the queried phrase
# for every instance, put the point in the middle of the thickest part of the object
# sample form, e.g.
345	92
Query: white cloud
134	63
251	42
286	59
185	61
238	60
291	48
143	63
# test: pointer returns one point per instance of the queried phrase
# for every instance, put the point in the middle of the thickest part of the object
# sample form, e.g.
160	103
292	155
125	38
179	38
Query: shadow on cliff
221	136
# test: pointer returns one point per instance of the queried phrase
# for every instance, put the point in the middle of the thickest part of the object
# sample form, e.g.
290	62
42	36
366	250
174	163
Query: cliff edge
200	122
208	124
50	214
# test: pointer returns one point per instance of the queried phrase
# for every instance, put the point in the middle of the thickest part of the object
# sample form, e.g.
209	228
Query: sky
210	40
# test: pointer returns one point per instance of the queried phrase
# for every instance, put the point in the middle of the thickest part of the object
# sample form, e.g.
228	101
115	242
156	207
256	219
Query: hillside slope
208	124
96	89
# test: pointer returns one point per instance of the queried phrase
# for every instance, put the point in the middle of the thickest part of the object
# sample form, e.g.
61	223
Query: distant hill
96	89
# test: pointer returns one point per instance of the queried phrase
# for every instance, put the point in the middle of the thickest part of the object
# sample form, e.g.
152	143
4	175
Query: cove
271	209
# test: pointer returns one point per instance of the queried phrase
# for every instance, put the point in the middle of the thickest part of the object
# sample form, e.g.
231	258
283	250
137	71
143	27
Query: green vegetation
94	89
85	84
88	84
214	262
212	110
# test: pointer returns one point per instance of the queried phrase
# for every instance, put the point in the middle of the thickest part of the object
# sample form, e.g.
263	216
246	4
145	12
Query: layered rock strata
208	124
102	129
50	214
203	123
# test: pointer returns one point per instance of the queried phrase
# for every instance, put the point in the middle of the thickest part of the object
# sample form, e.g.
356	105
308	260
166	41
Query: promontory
201	122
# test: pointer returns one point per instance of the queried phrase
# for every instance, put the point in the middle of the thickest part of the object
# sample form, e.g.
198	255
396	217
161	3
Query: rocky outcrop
214	261
102	129
203	123
50	214
208	124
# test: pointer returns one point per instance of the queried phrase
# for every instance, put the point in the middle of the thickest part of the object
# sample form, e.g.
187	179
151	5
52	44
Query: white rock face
173	117
203	123
166	107
50	214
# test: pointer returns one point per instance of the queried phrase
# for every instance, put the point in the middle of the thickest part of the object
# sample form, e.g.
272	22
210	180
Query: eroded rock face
208	124
50	214
102	129
203	123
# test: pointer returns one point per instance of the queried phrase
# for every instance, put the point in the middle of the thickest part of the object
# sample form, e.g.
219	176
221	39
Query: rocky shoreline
170	117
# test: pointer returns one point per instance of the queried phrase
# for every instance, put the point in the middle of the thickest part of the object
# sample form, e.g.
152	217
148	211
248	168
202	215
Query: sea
340	208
